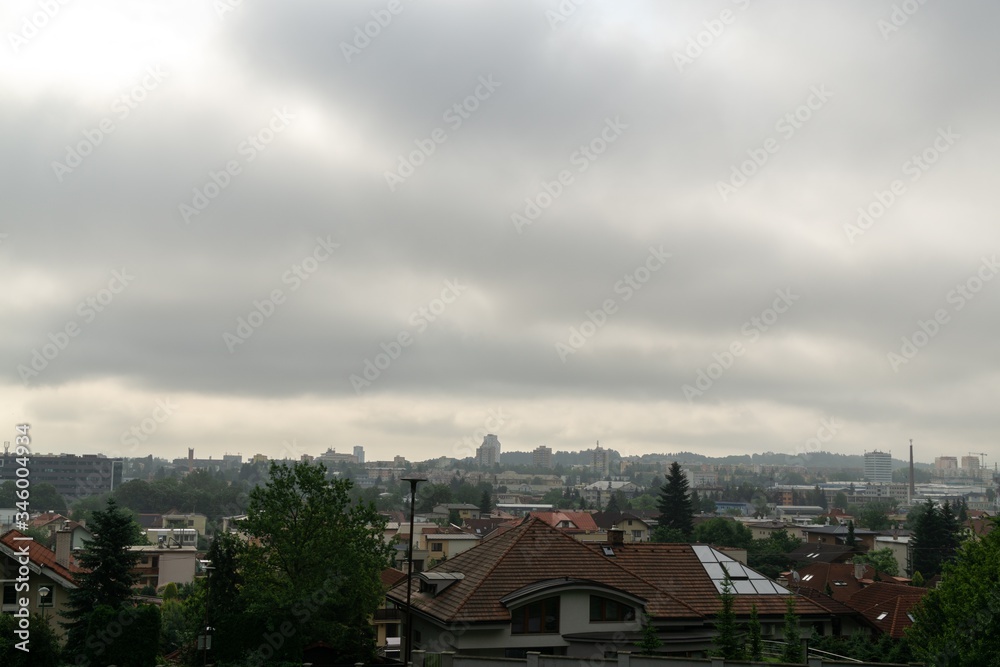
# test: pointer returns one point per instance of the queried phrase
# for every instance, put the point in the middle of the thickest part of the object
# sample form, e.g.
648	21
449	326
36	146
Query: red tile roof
38	554
669	578
44	519
391	576
581	521
887	606
840	577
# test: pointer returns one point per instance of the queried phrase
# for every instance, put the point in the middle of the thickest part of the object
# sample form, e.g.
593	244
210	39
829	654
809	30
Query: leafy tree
107	579
917	579
958	623
667	535
84	508
44	644
882	561
315	557
728	643
695	501
875	515
770	556
650	640
792	651
708	505
486	502
432	495
755	643
724	533
675	504
840	500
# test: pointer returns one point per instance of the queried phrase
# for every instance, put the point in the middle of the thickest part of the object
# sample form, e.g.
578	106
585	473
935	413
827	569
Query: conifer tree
793	642
107	579
674	503
755	643
727	640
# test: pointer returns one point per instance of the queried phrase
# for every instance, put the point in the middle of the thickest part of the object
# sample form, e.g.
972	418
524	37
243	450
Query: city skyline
720	228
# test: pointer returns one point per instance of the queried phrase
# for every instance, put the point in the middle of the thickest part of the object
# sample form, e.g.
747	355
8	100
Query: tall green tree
314	558
755	642
650	641
728	643
958	623
935	538
723	532
883	561
792	638
486	502
107	579
851	540
675	503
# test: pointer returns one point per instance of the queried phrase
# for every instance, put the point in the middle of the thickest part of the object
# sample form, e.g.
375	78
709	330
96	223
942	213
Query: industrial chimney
910	492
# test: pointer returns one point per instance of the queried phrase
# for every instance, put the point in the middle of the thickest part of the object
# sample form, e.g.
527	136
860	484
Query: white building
878	467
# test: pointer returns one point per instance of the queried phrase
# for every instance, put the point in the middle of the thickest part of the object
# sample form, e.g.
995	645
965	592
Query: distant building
542	457
359	454
878	467
946	462
488	454
331	457
970	462
227	462
600	460
73	476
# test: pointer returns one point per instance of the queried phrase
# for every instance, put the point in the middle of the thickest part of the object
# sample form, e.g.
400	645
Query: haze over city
725	227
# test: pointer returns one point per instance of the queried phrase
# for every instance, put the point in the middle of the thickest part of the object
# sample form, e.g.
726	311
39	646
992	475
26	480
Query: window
636	535
9	594
603	609
437	546
541	616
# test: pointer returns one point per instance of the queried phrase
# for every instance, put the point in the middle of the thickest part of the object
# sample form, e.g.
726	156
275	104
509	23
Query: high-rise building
488	454
359	454
73	476
878	467
946	462
600	461
970	462
542	457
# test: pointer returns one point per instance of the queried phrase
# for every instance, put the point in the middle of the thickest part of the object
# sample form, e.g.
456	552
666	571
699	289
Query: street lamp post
413	479
43	593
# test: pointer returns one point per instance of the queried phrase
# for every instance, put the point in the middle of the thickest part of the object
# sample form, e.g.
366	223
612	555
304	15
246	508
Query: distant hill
812	460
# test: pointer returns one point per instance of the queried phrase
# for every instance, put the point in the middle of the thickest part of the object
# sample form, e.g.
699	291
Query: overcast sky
280	227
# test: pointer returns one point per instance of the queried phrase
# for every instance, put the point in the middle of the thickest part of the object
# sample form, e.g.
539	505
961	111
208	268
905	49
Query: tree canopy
958	623
675	504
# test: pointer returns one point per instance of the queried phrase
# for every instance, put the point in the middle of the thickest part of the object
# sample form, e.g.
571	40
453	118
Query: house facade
49	579
536	588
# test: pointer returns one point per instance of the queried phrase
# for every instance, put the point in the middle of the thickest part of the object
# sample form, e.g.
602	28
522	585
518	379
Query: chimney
64	543
616	537
911	489
859	571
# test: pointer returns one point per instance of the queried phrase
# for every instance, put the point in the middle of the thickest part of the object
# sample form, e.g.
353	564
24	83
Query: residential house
578	524
199	522
599	493
536	588
807	554
633	528
464	510
899	545
838	580
50	576
838	535
443	543
887	606
387	619
761	530
160	565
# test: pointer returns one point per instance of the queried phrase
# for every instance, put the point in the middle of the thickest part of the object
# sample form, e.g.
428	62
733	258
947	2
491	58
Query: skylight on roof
608	551
881	616
743	580
807	577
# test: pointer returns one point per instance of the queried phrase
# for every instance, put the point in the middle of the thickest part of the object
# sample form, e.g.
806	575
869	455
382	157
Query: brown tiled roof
38	554
824	601
583	521
669	578
391	576
894	600
818	575
44	519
